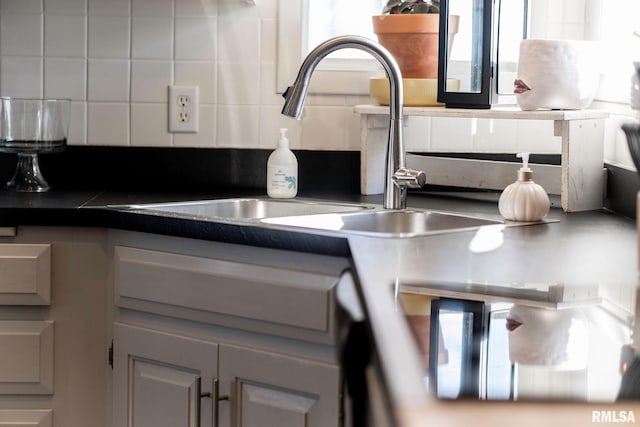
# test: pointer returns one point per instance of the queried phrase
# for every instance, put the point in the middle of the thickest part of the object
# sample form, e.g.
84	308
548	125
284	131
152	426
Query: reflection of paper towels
556	74
545	337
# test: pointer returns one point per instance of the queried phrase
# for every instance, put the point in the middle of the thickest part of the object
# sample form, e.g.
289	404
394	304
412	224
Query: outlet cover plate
183	109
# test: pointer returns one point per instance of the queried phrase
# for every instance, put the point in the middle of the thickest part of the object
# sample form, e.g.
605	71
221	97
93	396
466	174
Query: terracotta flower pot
412	39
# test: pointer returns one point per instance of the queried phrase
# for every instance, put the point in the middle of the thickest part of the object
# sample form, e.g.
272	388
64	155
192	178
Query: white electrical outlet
183	109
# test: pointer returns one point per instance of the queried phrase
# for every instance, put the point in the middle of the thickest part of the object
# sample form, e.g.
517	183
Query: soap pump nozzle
525	173
283	141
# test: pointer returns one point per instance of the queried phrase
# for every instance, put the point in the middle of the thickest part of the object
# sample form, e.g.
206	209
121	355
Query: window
302	24
329	18
344	72
615	25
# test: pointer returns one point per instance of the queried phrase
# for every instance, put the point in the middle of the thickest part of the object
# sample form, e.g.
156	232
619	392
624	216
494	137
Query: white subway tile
574	10
65	7
20	6
149	80
110	7
78	124
323	128
269	42
241	40
21	34
206	135
495	135
196	39
238	84
327	100
452	134
197	8
271	120
554	30
65	78
554	14
417	133
152	38
109	36
238	126
573	31
108	80
242	9
149	125
202	74
152	7
268	94
108	124
65	36
536	136
21	77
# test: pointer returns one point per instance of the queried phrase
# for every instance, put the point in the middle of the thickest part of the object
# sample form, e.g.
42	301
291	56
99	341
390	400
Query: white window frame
333	76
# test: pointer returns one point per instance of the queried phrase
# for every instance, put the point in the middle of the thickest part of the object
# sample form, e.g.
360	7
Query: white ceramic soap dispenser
524	200
282	170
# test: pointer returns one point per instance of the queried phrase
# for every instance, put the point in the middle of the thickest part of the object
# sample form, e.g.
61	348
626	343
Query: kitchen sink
242	208
387	223
345	218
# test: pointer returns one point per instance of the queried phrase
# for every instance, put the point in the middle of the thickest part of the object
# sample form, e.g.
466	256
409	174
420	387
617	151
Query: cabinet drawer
25	277
26	357
243	290
26	417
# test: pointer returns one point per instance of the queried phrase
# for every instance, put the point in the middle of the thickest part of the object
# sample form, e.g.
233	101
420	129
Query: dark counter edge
244	234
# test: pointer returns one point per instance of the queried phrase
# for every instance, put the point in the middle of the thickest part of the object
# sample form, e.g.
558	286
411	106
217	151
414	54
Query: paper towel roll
546	337
556	74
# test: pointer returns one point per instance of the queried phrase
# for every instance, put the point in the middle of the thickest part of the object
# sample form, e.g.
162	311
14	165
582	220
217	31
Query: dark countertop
585	247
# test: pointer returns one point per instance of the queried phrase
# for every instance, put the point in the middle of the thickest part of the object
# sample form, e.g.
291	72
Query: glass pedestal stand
29	127
27	176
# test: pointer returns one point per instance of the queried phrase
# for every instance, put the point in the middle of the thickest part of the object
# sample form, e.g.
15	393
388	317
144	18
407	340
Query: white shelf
580	177
501	112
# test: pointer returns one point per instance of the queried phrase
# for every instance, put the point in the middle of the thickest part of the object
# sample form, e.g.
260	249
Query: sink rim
302	222
330	224
307	206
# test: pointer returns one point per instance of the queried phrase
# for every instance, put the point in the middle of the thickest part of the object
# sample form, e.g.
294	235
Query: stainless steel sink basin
389	223
241	208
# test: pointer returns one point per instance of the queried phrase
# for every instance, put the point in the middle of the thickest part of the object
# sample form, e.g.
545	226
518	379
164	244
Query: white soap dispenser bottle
282	170
524	200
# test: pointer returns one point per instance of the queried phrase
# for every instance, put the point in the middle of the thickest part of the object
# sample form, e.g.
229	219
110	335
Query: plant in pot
409	30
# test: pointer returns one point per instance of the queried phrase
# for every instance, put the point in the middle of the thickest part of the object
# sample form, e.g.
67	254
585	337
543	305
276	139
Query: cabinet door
162	379
267	389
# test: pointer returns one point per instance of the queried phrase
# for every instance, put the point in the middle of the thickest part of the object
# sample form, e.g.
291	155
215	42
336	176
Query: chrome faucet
397	177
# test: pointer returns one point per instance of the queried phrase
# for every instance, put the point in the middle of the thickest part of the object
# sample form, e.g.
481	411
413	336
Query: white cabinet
26	357
167	379
162	379
54	327
26	274
267	389
214	334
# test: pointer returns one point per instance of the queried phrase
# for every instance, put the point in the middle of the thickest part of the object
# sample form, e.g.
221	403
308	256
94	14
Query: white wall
115	59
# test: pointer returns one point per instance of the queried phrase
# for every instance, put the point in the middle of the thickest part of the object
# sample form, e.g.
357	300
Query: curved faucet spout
397	177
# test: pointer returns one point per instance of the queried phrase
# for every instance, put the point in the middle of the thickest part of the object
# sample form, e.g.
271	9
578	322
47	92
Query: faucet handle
409	178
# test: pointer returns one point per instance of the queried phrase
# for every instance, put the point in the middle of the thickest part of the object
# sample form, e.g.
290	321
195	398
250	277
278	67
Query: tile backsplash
116	58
